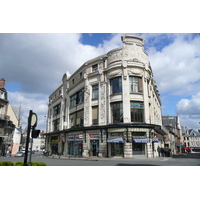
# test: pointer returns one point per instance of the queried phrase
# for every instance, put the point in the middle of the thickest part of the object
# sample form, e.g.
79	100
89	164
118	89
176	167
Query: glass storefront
54	148
139	144
117	149
54	145
138	149
75	145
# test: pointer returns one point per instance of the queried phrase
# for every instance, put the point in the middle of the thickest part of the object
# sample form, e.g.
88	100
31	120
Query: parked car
19	154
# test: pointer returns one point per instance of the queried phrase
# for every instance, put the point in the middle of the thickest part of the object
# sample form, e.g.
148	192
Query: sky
33	62
33	65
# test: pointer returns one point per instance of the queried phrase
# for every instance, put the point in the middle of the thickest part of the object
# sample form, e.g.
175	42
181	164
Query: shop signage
77	138
155	139
70	138
94	137
137	105
140	140
54	140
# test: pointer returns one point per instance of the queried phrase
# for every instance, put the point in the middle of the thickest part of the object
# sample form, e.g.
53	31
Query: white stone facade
109	107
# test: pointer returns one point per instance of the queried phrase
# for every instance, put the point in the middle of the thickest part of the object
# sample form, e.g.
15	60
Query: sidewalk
103	158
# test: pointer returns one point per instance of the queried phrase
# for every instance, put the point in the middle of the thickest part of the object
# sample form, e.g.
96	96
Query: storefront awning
114	139
140	139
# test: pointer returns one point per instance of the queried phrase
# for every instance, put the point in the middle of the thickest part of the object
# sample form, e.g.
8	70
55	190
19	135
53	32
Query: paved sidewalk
103	158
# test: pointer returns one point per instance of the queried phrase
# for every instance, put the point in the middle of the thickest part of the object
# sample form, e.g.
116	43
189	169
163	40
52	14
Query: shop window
116	85
135	84
117	112
95	68
56	109
137	112
95	115
95	91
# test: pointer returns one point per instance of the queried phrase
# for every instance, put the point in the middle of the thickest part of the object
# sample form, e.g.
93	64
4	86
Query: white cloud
189	106
176	66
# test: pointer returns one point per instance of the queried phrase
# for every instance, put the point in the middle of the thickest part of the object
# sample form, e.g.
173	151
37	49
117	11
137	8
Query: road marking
165	159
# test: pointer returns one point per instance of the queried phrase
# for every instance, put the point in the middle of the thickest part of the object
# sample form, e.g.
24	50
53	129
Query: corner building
109	107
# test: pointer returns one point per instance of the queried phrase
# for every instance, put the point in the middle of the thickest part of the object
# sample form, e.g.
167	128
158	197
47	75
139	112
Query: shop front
75	145
116	145
54	145
139	146
94	145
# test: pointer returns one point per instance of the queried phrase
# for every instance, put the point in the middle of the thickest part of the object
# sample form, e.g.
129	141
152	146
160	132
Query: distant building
7	124
173	138
109	107
191	139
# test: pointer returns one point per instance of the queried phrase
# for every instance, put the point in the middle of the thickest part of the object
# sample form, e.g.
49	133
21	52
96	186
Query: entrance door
117	149
94	146
54	148
138	149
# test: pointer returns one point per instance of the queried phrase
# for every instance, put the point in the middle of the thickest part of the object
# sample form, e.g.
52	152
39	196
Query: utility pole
27	138
32	123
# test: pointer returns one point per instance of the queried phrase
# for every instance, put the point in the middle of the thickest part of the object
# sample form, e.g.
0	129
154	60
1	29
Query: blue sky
33	66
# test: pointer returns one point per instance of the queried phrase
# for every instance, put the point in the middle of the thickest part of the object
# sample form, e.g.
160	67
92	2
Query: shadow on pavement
124	164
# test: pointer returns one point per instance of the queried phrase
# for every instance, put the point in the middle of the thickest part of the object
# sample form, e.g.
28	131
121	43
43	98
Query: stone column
86	145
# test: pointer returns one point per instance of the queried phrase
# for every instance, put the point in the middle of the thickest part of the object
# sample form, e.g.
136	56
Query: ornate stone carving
135	72
86	105
102	102
114	73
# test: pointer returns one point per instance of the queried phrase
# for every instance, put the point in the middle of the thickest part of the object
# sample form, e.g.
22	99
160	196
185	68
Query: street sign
34	120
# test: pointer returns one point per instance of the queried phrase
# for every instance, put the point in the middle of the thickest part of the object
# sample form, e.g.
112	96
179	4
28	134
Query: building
13	114
173	138
109	107
6	124
191	139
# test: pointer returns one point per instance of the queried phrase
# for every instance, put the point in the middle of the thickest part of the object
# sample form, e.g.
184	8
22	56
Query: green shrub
6	163
9	163
19	164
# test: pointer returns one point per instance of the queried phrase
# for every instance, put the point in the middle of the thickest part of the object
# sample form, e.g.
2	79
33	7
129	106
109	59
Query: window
95	68
95	91
94	115
135	84
73	100
79	118
116	85
56	124
137	112
81	74
77	98
56	109
76	118
117	112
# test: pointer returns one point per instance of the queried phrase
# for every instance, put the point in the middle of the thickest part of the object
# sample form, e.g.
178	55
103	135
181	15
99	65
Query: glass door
117	149
138	148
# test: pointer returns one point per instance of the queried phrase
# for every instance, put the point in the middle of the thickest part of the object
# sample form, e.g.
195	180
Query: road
179	160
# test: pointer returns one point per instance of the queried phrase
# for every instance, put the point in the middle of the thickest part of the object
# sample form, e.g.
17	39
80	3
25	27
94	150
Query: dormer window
95	68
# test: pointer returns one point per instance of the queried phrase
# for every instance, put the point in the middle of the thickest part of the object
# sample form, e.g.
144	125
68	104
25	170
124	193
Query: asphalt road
178	160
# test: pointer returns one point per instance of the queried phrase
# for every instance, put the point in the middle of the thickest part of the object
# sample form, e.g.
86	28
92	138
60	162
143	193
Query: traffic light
35	133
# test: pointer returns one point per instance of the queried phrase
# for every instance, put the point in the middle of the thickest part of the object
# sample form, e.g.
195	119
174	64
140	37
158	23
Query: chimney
2	83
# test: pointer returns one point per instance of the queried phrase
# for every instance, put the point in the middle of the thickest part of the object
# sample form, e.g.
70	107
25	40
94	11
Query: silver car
19	154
